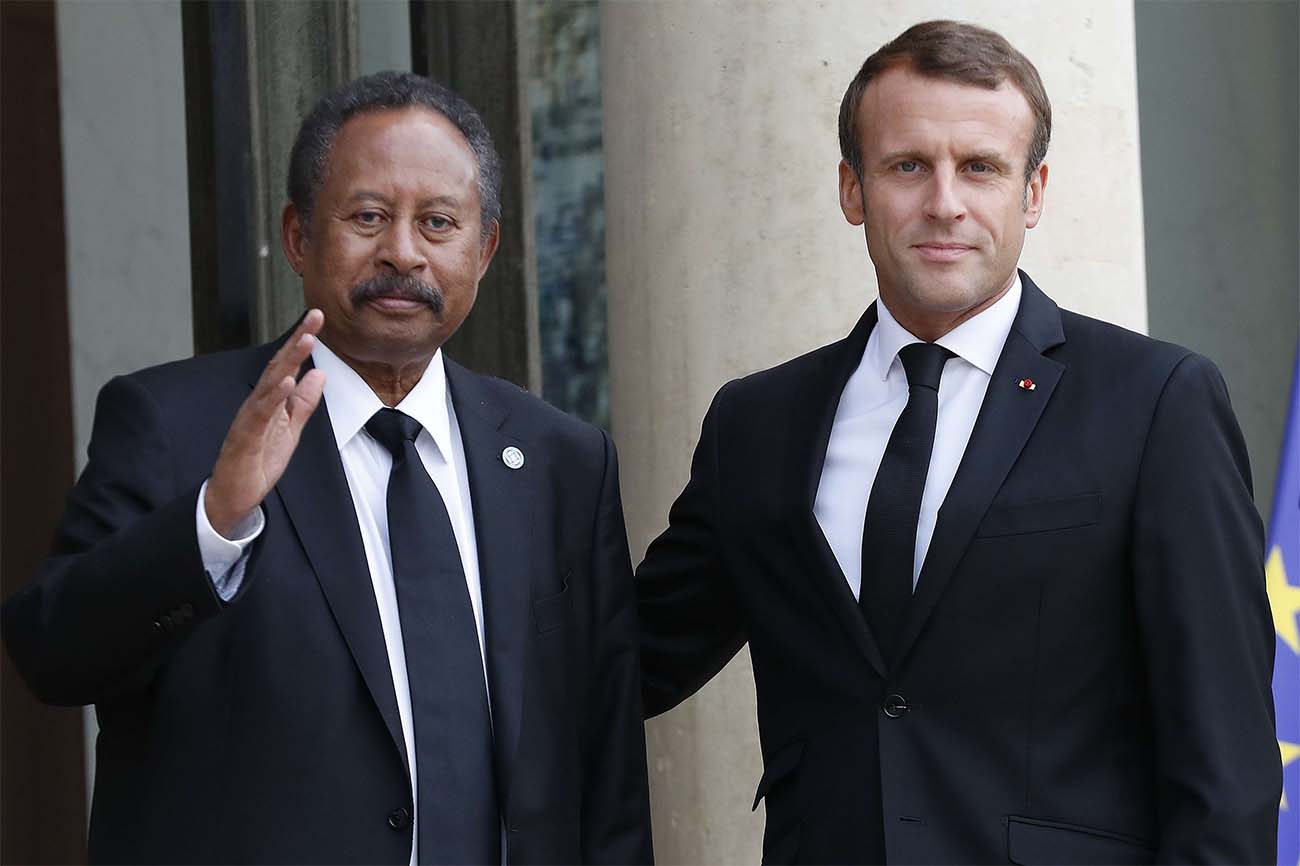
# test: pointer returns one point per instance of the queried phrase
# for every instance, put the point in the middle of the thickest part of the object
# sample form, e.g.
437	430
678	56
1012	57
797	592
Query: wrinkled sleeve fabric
690	619
99	616
226	559
1206	630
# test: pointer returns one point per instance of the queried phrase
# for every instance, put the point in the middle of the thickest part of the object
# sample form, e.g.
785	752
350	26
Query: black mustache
394	286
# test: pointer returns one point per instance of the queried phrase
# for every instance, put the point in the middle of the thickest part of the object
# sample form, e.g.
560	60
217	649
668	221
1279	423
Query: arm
616	799
125	581
616	804
124	556
1206	630
689	617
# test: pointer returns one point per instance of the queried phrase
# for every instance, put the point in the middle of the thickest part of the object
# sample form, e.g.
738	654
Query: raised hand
265	431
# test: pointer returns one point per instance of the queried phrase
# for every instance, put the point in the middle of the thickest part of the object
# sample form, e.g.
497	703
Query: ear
488	248
293	238
851	195
1034	196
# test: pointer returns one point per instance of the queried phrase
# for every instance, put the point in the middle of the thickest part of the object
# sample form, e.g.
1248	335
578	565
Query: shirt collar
978	340
351	402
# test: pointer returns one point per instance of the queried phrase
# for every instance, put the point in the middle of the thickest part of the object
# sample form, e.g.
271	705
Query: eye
368	218
438	222
908	166
981	168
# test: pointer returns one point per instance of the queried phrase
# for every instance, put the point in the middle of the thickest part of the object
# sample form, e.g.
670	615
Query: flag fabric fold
1282	571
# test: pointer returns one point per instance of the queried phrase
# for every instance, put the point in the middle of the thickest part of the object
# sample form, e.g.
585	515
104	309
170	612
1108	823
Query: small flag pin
1028	385
512	457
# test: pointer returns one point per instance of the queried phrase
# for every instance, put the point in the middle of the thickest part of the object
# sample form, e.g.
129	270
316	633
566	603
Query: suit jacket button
399	819
187	610
167	622
894	706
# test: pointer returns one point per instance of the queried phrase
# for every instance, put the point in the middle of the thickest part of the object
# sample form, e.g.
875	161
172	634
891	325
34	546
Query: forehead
902	109
401	150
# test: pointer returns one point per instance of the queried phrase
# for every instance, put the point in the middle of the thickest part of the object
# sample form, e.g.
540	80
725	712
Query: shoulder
1109	352
523	413
233	369
787	378
191	395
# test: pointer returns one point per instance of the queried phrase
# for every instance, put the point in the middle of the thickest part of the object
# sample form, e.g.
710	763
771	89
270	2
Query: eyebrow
988	156
445	200
978	156
371	195
363	194
895	156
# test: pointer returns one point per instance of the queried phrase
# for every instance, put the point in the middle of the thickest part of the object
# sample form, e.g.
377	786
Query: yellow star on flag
1284	599
1290	751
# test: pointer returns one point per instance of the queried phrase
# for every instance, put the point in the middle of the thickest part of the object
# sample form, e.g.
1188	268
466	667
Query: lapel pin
512	457
1028	385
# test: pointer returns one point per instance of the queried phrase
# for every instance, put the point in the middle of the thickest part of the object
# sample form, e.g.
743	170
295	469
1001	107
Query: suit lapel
316	496
503	506
1006	420
818	402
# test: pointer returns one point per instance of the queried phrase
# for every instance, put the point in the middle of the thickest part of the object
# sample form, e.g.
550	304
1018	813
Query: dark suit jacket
1086	661
267	730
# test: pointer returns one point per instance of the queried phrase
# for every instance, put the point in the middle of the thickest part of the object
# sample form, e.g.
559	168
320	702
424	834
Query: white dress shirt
366	463
870	404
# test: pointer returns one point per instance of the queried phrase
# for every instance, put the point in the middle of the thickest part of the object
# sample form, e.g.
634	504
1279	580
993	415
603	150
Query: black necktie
459	821
889	532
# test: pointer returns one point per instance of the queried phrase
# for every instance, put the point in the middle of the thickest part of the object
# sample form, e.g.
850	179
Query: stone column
727	253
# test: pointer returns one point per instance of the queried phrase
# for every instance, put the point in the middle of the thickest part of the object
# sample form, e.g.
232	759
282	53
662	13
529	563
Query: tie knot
392	428
924	364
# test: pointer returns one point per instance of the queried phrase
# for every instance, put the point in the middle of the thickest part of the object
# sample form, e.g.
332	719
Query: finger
305	398
266	405
295	350
312	322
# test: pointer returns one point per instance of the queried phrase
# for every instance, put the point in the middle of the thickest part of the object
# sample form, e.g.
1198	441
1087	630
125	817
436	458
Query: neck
390	382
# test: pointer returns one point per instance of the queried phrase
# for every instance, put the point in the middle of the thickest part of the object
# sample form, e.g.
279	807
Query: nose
943	200
401	249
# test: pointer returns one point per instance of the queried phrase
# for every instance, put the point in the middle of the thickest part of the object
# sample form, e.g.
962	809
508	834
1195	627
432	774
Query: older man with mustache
385	616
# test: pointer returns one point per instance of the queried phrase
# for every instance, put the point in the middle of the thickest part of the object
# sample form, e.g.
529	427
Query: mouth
399	295
397	304
941	253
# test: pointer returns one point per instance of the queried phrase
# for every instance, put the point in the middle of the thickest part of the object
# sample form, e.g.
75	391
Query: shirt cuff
224	559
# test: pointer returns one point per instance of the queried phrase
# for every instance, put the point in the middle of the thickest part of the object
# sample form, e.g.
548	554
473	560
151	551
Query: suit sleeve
616	798
690	620
124	582
1206	629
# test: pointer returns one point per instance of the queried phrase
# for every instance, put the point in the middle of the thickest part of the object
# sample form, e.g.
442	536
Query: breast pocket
552	612
1040	515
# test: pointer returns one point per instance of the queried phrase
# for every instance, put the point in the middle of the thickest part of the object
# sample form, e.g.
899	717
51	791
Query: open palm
265	432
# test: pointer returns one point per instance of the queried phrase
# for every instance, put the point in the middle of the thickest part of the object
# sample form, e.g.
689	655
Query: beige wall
727	253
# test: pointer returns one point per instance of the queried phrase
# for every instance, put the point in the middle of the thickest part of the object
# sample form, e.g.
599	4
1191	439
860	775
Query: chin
950	292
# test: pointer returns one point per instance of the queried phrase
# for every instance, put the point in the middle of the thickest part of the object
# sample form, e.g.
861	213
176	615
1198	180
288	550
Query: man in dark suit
997	564
396	628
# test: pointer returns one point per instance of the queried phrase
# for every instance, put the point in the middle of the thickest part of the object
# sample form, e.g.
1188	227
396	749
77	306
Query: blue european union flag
1283	575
